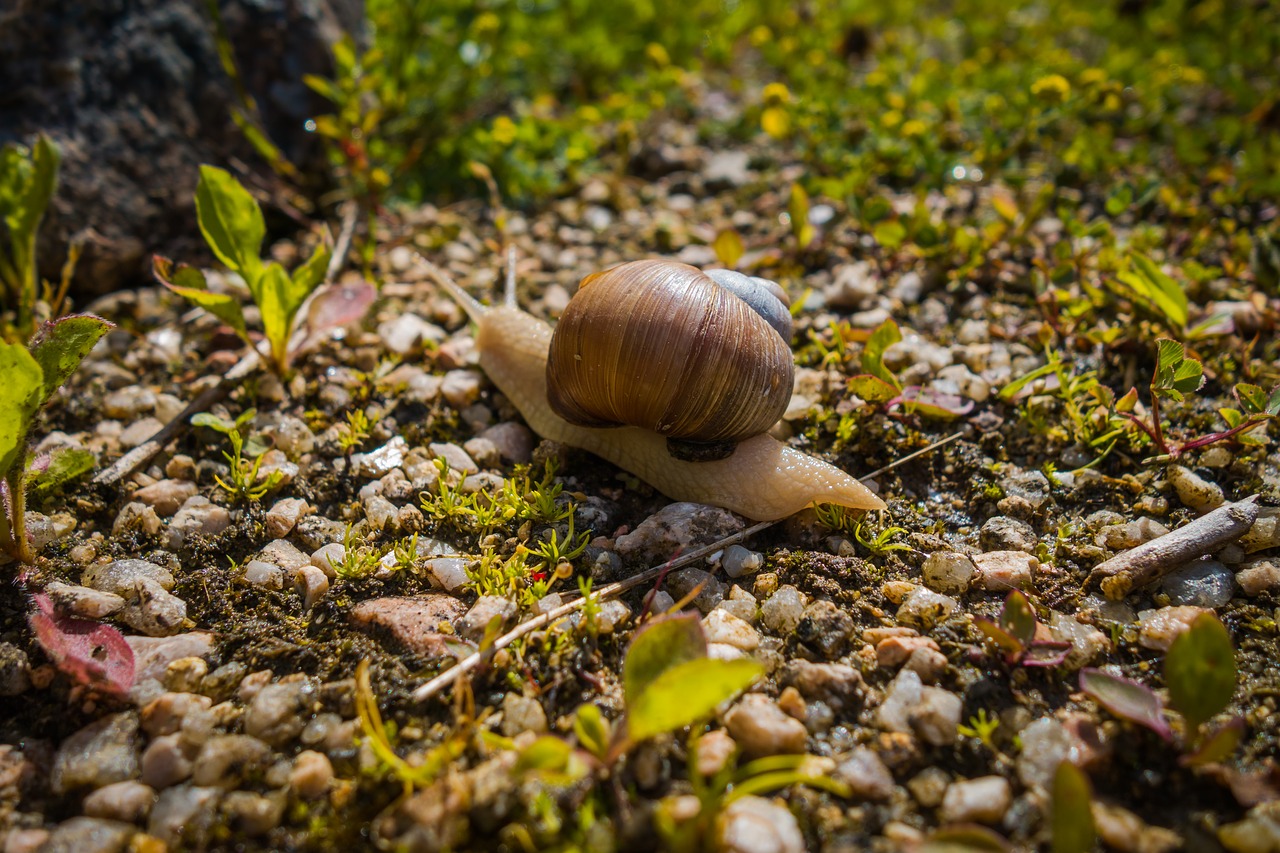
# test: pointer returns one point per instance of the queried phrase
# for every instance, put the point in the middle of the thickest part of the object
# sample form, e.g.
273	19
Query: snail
748	472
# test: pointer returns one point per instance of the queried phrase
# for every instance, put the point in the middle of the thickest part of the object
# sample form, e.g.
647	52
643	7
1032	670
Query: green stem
18	510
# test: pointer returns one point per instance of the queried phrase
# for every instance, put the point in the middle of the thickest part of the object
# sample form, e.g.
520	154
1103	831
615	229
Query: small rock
279	711
1259	832
312	584
129	403
87	835
185	675
930	712
102	752
327	558
1001	571
761	728
406	334
183	816
121	577
1046	743
726	168
36	839
152	655
284	515
487	608
894	651
1204	583
82	601
263	574
923	608
311	776
1265	532
1124	831
1131	534
514	441
1002	533
929	664
126	801
753	824
139	431
838	685
153	611
866	775
450	573
376	464
826	628
15	670
455	456
783	610
929	786
412	621
720	626
677	527
166	496
684	581
714	751
136	516
1258	577
948	572
290	435
1193	490
612	615
164	714
1087	642
522	714
981	800
198	517
225	761
461	388
738	561
253	814
1157	628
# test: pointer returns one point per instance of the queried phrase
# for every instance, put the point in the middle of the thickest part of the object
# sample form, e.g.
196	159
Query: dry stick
472	661
141	454
1136	567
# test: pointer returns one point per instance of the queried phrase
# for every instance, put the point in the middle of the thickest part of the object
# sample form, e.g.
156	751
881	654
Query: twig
921	452
1139	566
140	455
474	660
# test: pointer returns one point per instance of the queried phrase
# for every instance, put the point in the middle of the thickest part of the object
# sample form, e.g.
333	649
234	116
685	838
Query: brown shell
659	345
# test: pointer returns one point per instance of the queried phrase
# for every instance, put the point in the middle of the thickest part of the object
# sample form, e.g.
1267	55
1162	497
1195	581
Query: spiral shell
662	346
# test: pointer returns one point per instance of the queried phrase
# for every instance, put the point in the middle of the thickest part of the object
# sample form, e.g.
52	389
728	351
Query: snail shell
666	347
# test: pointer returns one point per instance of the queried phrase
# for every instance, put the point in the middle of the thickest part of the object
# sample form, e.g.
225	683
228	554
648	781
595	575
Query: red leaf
93	654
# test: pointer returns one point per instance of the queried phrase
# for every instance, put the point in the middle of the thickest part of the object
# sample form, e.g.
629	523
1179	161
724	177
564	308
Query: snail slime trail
760	478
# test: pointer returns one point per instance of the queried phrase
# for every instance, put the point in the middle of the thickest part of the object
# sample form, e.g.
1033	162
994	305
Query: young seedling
1013	635
1200	672
878	384
27	181
245	481
232	224
1071	815
31	377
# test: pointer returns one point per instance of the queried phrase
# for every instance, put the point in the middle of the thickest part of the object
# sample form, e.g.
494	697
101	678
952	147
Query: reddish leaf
1126	699
335	305
931	403
93	654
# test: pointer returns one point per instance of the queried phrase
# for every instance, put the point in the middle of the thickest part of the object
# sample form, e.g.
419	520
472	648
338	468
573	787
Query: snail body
762	479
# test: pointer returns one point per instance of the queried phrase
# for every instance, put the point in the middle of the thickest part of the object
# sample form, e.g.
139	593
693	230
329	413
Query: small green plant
232	224
982	727
360	560
32	375
245	482
448	504
27	182
1200	673
1013	635
1071	814
356	430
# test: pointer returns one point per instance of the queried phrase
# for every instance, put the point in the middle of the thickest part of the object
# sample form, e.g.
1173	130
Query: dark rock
825	628
133	93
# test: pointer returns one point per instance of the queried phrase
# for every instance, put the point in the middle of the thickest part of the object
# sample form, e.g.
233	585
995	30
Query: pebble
854	286
183	816
450	573
380	513
930	712
1002	533
198	517
312	584
761	728
894	651
826	628
126	801
35	839
1157	628
1046	743
86	835
264	574
164	714
923	608
152	655
981	800
377	463
866	775
279	711
461	387
406	334
487	608
1265	532
311	776
1087	642
677	527
290	435
738	561
225	761
15	670
1030	488
83	601
1001	571
121	577
754	824
1122	830
513	441
166	496
929	786
253	814
613	615
720	626
1204	583
836	684
522	714
185	675
782	611
139	431
136	516
1259	832
102	752
284	515
1193	490
684	581
1258	577
327	558
1131	534
128	403
948	572
412	621
726	168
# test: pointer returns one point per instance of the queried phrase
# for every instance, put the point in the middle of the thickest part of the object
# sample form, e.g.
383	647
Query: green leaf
1169	354
889	233
1218	746
659	645
1188	376
1251	397
279	299
310	275
63	465
1071	819
728	247
1126	699
189	283
213	422
1011	390
1200	670
1161	293
963	838
1273	403
798	210
884	336
20	397
686	693
231	222
1018	617
36	179
592	729
872	389
62	344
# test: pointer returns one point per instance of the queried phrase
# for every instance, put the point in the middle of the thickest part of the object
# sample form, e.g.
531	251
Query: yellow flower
913	128
504	130
776	94
1053	89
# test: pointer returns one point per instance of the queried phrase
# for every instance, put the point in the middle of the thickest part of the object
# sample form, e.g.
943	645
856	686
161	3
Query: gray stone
166	761
514	441
102	752
981	800
837	684
761	728
929	712
120	577
738	561
412	621
183	816
727	168
198	517
165	496
279	711
153	611
15	670
923	608
948	572
253	814
682	582
1002	533
284	515
225	761
89	835
82	601
782	611
522	714
825	628
753	824
866	775
677	527
1205	583
487	608
263	574
127	801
